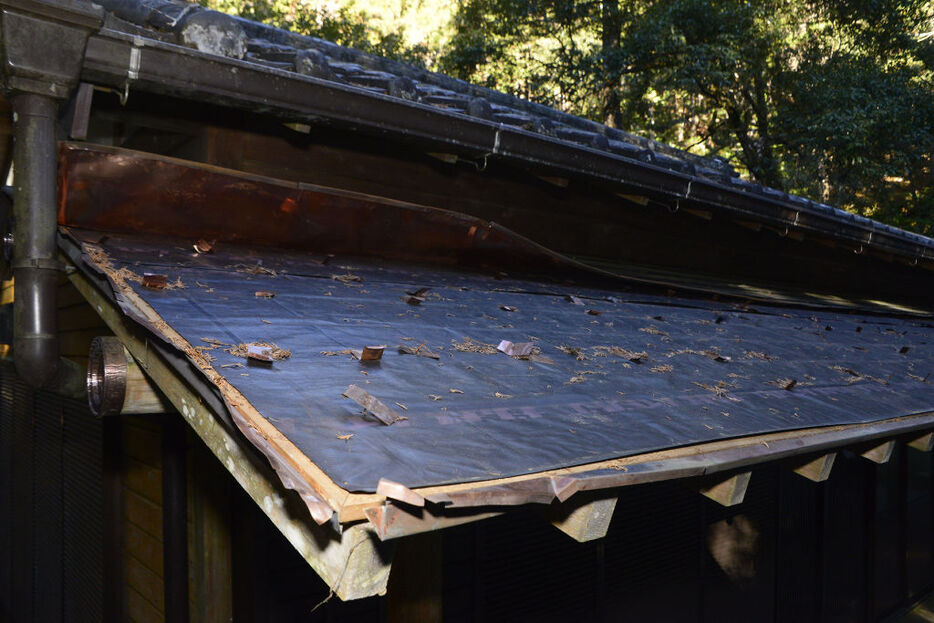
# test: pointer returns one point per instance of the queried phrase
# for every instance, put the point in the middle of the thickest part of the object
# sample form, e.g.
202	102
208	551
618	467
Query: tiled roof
233	37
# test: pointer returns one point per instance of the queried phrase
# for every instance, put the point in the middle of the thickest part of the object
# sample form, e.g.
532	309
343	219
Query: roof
613	374
657	374
307	79
611	368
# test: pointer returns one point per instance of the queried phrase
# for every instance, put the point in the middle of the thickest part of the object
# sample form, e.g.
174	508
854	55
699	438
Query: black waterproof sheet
712	369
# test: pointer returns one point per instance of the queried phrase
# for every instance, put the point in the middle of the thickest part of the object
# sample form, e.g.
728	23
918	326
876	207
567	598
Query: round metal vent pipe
115	383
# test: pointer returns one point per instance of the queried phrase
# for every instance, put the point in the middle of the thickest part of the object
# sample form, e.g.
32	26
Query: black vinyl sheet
474	416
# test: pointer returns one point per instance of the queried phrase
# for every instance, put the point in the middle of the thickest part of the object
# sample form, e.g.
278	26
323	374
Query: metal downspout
35	269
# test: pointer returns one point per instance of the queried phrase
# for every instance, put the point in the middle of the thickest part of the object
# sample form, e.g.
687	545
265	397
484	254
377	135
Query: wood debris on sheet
259	351
420	351
662	369
373	405
787	384
255	269
264	294
416	297
574	351
155	281
521	350
470	345
754	354
618	351
721	389
594	312
854	377
524	351
710	353
368	353
500	395
347	279
345	437
334	353
204	246
454	390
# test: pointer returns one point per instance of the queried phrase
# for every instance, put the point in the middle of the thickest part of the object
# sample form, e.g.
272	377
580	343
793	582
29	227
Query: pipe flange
107	371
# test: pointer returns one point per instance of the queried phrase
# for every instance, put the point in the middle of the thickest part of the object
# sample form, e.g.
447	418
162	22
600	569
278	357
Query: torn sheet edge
320	511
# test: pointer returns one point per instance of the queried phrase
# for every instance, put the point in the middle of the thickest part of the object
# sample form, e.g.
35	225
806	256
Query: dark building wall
51	507
855	548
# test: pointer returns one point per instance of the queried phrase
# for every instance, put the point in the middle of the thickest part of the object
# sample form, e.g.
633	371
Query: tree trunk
612	24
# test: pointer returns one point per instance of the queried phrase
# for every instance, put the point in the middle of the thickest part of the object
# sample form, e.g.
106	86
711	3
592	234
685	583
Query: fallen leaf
373	405
411	299
594	312
266	294
508	308
455	391
903	350
787	384
345	437
419	293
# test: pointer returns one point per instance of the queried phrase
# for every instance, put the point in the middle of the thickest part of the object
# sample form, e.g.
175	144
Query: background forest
829	99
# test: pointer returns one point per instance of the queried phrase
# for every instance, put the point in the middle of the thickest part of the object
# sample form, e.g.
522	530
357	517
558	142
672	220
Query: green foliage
831	99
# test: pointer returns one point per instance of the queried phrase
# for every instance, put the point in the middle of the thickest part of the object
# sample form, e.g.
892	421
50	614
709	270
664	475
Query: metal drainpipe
35	269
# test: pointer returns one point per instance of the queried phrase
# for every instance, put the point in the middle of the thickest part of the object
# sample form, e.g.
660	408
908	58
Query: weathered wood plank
924	443
726	490
144	547
141	611
817	469
415	584
143	480
584	517
880	453
143	513
144	581
141	442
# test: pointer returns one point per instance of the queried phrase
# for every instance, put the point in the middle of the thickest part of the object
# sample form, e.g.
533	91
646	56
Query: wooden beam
924	443
726	490
415	584
354	564
584	517
880	453
817	470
